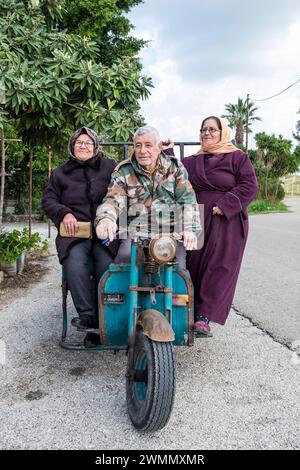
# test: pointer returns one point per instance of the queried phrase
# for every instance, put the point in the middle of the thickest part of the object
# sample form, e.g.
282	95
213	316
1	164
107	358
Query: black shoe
85	322
91	340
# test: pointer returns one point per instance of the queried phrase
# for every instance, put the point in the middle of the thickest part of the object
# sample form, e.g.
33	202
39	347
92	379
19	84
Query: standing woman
74	191
224	181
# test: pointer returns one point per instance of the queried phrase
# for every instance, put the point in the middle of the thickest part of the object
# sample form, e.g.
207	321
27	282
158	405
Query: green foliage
34	242
54	81
273	159
52	77
17	179
296	134
10	246
15	242
275	191
237	117
263	206
275	155
296	156
15	149
103	21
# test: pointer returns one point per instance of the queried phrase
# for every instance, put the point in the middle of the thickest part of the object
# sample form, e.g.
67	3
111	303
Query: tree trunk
277	187
2	174
247	121
30	194
239	134
49	172
266	177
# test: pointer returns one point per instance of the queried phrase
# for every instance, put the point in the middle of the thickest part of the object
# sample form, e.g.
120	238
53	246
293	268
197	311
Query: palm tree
237	117
296	134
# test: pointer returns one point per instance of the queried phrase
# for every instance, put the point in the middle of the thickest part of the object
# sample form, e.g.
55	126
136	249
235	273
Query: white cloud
192	82
285	52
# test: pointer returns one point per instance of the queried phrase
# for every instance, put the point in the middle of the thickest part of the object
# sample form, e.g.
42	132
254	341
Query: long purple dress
229	182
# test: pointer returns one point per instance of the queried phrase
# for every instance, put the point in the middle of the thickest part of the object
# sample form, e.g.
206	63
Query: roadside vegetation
261	206
273	158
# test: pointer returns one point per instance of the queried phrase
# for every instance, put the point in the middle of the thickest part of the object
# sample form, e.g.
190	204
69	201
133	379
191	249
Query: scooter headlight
163	249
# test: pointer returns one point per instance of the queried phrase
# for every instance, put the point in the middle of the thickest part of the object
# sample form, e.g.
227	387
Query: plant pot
9	268
21	263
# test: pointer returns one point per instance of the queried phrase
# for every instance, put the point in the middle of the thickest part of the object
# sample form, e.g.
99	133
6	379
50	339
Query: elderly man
150	182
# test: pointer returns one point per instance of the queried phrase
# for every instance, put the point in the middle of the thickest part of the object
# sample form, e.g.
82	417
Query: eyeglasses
211	130
80	143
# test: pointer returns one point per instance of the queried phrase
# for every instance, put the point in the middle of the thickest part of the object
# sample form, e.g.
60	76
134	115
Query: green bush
10	246
15	242
265	206
281	193
275	191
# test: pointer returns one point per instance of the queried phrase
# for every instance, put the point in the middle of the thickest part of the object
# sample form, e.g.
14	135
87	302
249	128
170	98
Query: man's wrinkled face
146	150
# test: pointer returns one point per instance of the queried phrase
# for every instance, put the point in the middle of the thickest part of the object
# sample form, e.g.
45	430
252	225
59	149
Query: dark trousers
77	274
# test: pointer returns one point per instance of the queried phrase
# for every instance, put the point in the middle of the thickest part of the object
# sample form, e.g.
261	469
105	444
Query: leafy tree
103	21
17	179
52	77
53	81
274	158
296	134
237	117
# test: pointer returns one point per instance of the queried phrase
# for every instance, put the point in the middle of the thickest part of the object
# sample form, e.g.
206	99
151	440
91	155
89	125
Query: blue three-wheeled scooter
146	308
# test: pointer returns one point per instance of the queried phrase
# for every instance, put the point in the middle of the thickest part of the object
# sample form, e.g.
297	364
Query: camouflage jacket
133	194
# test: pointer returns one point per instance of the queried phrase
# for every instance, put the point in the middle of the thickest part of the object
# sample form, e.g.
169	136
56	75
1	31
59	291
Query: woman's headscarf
83	130
225	145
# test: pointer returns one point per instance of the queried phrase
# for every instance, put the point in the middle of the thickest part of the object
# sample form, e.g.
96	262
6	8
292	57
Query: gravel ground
237	390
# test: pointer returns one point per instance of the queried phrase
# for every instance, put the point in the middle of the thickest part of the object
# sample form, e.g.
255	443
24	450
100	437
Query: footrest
78	346
88	330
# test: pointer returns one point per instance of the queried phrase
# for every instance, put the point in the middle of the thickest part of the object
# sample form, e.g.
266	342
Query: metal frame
64	343
126	145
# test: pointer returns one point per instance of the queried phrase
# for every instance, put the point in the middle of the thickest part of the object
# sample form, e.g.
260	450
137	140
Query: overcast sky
206	53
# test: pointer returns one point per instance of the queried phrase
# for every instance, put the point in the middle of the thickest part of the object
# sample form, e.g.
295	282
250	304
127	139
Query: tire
150	389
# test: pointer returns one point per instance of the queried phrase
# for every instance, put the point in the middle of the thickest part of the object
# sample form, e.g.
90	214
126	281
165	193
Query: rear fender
156	326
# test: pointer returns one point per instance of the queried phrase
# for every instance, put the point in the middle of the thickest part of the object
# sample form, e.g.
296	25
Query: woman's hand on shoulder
70	223
167	144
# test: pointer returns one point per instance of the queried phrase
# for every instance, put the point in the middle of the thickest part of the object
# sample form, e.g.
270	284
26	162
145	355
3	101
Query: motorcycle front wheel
150	383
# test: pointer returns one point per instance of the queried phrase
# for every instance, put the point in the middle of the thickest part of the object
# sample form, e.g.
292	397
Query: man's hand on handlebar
189	241
106	229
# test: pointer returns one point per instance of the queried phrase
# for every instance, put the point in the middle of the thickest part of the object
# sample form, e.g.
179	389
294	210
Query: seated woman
74	191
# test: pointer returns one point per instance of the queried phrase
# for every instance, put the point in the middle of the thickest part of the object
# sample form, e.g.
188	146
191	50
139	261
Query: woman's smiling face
210	133
84	147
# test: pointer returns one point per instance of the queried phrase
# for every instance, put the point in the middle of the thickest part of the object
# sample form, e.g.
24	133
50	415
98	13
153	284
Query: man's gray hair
147	130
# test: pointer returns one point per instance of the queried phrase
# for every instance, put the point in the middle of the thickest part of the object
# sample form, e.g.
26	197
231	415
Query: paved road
269	285
237	390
